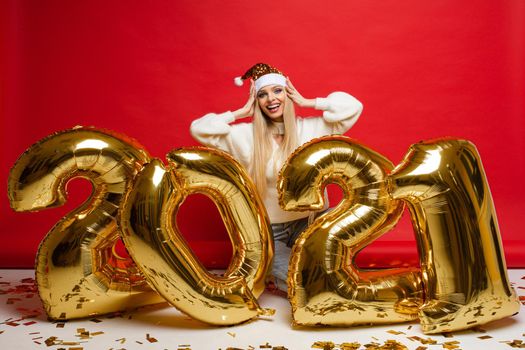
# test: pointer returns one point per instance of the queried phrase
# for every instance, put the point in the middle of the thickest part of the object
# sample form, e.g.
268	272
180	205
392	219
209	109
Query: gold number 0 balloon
325	287
153	239
78	272
462	261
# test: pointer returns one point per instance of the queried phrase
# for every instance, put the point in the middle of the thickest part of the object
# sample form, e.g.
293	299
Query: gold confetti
451	345
150	339
50	341
388	345
423	341
349	346
82	333
395	332
231	334
516	344
325	345
484	337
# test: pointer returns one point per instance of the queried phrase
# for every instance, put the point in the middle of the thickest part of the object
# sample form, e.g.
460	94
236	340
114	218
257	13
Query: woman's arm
212	128
340	110
296	97
248	109
215	129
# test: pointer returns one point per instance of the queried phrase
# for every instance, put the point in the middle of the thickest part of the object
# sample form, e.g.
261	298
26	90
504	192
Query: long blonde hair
262	142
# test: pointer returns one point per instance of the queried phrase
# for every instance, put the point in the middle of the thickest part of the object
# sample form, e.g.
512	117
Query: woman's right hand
248	109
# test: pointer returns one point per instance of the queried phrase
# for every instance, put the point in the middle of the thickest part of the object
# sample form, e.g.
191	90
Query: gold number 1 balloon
325	286
78	272
462	261
154	241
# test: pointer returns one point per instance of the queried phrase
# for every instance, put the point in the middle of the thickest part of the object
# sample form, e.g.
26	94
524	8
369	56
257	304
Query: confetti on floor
22	315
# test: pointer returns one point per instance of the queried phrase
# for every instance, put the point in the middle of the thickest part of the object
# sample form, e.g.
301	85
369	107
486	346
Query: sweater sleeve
340	112
213	129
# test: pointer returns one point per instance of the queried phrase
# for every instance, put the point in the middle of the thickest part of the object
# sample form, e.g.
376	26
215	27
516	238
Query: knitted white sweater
340	112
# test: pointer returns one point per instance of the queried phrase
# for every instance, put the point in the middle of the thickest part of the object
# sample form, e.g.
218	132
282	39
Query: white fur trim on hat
270	79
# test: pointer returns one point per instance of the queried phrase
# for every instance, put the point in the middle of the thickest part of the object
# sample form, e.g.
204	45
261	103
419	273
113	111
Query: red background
423	69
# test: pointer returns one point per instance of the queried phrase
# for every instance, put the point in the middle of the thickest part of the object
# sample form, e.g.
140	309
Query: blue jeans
284	236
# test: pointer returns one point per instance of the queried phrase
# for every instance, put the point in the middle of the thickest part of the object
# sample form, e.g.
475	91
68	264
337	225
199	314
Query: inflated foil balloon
462	261
325	287
78	272
155	242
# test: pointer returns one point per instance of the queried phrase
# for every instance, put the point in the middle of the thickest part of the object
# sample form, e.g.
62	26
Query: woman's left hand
296	97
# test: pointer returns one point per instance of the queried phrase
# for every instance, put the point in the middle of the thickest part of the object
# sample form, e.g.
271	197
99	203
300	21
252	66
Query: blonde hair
262	142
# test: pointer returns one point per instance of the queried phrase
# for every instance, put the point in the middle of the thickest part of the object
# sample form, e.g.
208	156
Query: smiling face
271	101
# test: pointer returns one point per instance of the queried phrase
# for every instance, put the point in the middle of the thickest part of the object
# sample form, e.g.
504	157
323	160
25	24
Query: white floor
24	326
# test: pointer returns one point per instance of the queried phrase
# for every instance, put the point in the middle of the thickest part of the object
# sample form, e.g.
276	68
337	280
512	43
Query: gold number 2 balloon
462	261
78	272
150	232
325	286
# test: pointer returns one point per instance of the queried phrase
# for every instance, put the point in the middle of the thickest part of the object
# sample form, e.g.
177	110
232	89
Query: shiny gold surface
77	271
463	280
462	261
154	240
325	286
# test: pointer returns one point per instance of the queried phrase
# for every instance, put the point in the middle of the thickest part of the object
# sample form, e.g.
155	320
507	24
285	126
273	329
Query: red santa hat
263	74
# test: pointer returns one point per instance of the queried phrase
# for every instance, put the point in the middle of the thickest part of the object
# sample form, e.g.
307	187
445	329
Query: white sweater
340	112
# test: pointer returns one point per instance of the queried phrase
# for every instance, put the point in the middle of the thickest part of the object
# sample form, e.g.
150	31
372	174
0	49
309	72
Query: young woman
263	145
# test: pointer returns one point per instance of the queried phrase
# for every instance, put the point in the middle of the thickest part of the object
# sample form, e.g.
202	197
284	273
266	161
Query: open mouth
273	108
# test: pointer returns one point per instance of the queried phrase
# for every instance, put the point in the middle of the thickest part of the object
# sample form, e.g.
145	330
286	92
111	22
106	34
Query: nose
271	96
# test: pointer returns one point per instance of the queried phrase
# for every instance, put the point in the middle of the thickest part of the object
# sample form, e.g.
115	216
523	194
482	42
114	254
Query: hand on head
296	97
248	109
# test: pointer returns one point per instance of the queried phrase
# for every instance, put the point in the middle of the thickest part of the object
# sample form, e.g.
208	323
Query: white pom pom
238	81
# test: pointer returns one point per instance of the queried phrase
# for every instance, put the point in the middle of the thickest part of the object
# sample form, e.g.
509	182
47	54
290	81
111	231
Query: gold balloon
78	272
463	266
325	286
154	241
